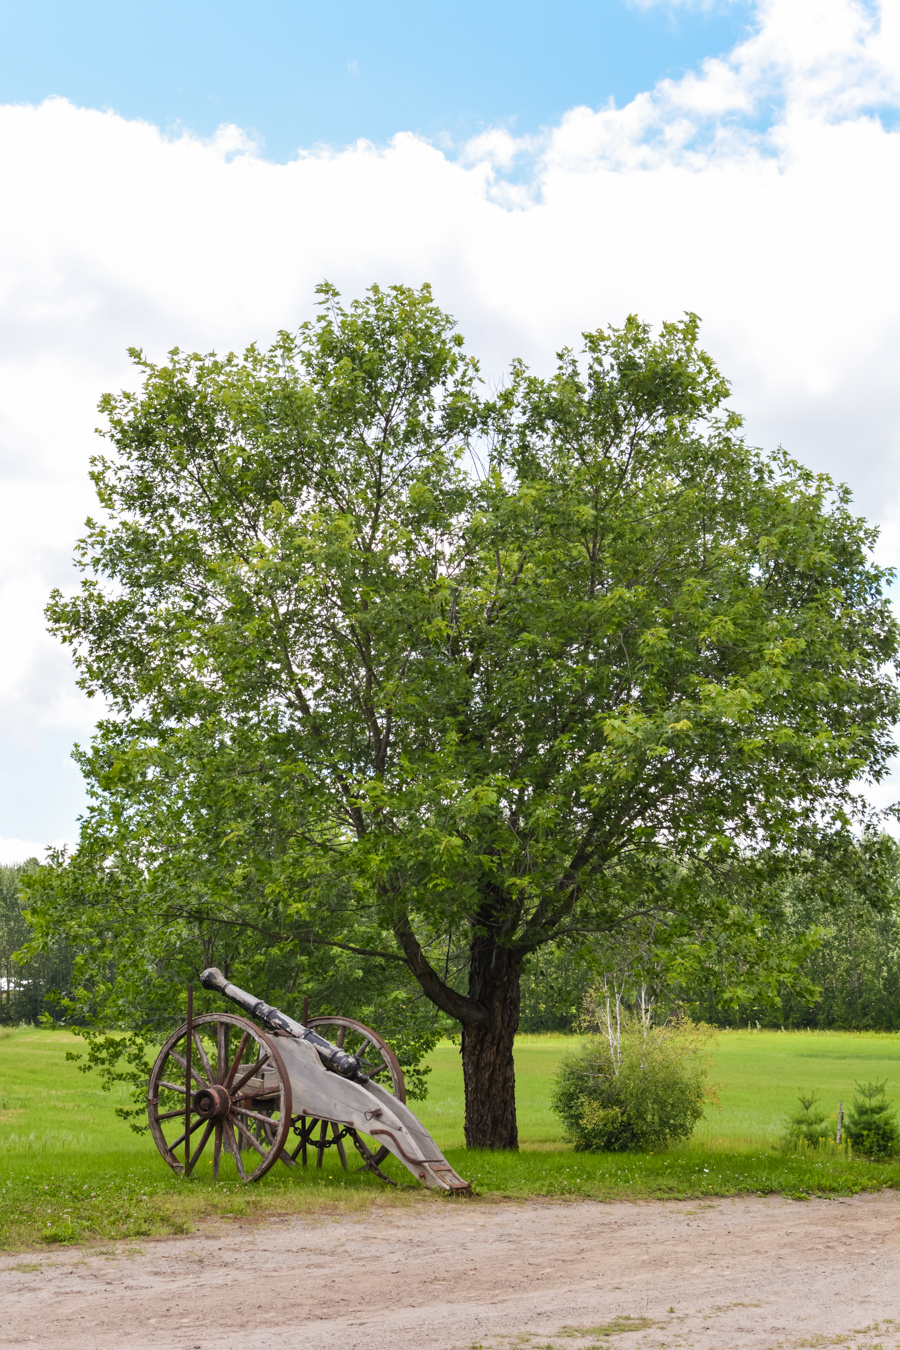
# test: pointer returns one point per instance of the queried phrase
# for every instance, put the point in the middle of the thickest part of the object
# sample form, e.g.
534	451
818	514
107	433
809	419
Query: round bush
638	1094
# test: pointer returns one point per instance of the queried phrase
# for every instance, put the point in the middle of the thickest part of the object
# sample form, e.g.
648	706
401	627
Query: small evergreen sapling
808	1125
872	1123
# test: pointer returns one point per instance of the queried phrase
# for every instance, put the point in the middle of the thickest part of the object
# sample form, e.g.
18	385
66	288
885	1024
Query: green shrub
872	1124
808	1125
635	1088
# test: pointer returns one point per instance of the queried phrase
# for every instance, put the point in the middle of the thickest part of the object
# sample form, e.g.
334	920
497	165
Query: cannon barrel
275	1020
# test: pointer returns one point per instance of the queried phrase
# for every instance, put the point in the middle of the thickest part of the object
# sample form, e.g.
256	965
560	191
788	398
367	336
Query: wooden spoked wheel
238	1112
316	1137
373	1052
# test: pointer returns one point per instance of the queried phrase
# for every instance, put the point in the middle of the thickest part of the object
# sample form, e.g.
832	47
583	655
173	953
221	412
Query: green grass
536	1061
759	1075
71	1170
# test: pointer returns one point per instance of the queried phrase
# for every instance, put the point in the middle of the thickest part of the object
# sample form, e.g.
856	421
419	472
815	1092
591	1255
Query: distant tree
433	680
28	986
13	934
857	964
848	907
553	985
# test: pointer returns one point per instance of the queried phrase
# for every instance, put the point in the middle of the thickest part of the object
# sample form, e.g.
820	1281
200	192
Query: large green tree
430	679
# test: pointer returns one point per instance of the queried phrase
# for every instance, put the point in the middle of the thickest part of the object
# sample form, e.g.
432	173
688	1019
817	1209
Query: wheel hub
212	1103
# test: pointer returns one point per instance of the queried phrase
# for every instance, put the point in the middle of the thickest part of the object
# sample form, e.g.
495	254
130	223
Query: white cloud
15	851
758	191
705	6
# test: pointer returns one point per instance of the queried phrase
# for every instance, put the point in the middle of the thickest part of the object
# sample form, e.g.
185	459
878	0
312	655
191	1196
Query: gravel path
759	1274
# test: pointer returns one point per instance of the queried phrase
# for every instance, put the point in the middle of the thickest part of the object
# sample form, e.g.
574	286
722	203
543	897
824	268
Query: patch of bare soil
759	1274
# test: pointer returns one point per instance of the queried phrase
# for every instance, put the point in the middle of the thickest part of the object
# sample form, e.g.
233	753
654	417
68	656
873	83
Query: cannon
230	1094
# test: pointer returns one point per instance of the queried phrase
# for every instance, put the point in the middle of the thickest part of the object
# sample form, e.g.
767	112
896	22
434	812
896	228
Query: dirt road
758	1274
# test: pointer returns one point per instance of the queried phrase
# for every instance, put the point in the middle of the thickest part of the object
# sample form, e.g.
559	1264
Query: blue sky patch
297	74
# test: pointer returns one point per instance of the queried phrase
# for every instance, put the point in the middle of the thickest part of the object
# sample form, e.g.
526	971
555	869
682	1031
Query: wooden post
188	1046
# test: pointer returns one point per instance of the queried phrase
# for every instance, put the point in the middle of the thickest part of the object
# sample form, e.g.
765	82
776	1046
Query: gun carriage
229	1093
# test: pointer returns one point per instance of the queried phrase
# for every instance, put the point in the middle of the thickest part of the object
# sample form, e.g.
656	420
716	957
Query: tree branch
465	1010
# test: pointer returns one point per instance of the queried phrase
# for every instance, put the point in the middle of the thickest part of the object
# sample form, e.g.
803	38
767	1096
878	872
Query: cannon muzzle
212	978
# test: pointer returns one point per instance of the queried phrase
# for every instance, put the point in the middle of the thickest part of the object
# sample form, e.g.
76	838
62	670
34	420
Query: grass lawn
70	1170
759	1075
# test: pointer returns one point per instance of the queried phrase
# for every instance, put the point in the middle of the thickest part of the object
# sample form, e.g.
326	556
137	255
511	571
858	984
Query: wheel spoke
179	1059
307	1137
305	1132
253	1142
237	1059
221	1050
252	1115
217	1152
360	1051
204	1058
173	1087
200	1147
233	1149
180	1140
170	1115
336	1131
245	1077
323	1142
370	1159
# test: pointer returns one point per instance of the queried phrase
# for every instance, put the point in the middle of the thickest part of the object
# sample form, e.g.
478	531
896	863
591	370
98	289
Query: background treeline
27	989
856	965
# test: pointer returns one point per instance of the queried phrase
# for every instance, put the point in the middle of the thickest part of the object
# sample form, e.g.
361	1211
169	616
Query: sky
295	74
186	174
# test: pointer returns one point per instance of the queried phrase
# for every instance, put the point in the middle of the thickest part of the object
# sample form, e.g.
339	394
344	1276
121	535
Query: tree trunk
487	1050
489	1014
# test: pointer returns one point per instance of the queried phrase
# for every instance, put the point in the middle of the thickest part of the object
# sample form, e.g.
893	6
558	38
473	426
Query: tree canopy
420	679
